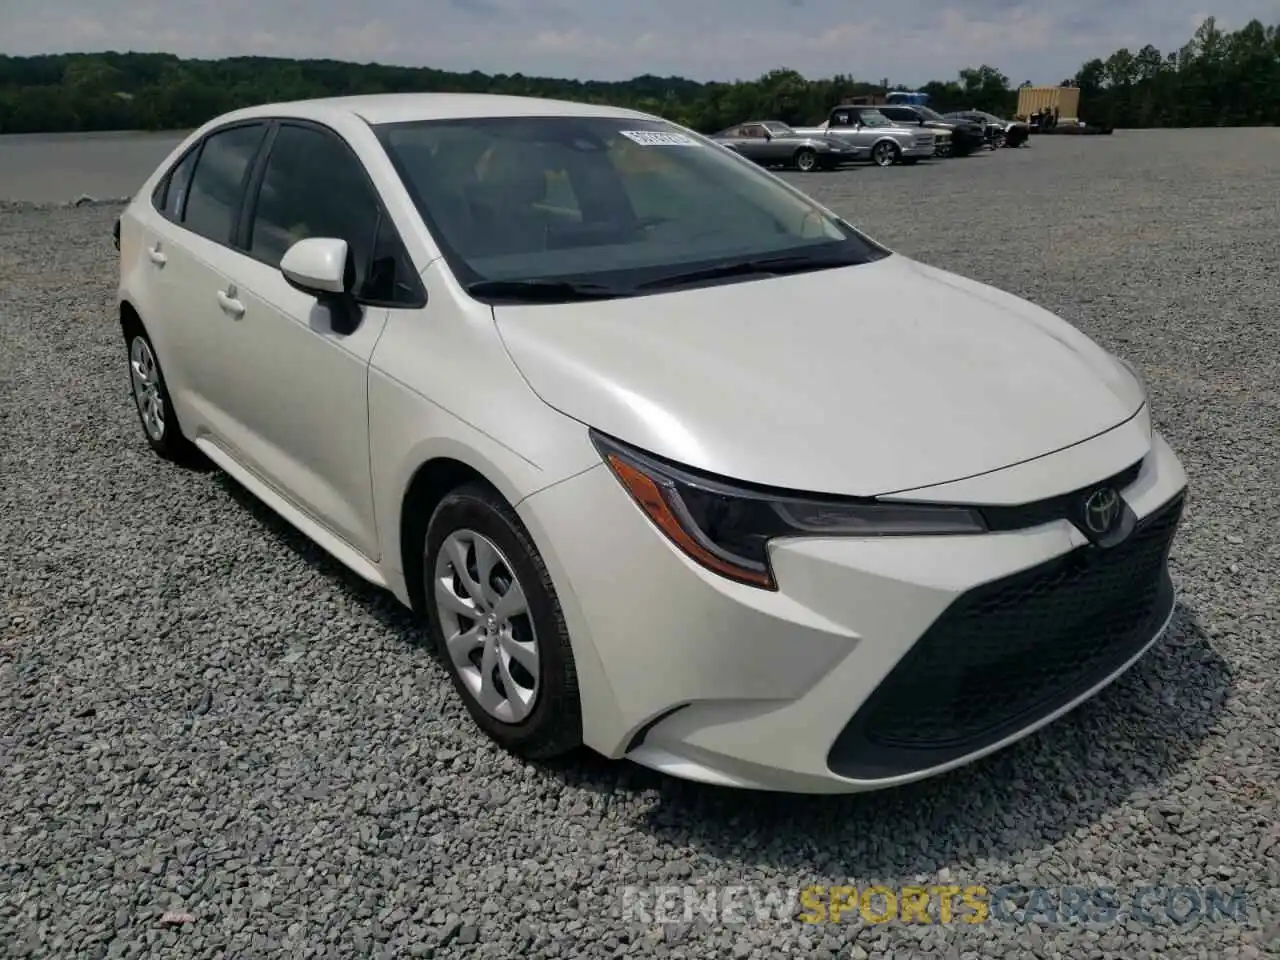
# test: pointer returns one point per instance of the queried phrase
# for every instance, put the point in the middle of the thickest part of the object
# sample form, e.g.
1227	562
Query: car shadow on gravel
1124	742
375	601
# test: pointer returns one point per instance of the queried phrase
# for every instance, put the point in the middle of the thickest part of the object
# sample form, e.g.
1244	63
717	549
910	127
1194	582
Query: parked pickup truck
874	136
966	137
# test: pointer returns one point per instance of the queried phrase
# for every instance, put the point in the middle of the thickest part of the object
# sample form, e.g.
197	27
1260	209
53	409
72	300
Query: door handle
228	302
157	256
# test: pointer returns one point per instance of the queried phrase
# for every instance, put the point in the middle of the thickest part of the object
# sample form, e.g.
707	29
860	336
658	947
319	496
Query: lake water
56	167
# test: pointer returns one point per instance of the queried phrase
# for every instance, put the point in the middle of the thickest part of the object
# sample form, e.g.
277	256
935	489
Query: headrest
515	177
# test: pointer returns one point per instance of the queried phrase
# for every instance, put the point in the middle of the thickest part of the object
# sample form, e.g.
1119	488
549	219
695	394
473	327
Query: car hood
857	381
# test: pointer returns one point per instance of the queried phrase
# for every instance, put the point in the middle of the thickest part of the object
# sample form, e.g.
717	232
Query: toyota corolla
670	460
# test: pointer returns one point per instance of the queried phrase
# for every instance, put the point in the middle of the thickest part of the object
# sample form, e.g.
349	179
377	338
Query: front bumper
919	150
878	662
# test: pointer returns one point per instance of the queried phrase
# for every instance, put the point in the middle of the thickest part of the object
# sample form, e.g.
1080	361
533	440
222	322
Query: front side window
613	201
314	186
217	186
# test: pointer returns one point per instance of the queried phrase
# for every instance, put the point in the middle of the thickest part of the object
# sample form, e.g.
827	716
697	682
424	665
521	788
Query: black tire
168	441
554	725
885	154
805	160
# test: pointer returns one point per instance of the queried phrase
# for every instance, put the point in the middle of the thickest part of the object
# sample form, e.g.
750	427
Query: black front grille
1011	651
1064	505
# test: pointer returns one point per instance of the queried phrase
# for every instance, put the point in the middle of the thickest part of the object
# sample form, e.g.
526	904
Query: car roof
408	107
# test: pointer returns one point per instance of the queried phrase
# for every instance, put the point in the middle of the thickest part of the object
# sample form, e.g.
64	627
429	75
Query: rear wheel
885	154
151	397
806	160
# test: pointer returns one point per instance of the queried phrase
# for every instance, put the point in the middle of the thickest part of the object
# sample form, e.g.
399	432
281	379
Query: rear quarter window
170	194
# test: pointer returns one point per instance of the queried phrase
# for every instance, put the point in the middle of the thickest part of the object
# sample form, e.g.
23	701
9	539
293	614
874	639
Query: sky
908	41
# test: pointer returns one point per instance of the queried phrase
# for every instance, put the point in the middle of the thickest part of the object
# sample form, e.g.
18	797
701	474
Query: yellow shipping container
1033	99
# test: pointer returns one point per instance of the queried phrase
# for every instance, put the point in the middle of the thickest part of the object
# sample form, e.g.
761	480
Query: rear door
195	259
146	244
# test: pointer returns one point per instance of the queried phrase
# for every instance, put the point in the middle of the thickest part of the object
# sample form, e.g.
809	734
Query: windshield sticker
652	138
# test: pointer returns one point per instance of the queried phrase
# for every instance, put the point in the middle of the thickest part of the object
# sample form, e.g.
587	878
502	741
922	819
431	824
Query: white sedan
671	460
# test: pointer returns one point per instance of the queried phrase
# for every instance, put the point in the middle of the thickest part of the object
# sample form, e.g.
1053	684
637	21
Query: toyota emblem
1101	510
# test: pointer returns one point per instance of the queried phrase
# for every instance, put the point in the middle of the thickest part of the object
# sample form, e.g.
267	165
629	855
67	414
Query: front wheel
942	151
885	154
806	160
492	612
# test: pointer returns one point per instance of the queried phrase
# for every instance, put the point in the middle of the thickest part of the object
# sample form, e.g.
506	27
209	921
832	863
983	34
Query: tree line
1218	78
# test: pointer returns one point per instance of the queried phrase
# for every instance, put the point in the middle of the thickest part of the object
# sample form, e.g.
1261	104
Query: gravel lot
201	713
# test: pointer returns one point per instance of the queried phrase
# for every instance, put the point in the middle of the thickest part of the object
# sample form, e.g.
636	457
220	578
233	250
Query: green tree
1216	78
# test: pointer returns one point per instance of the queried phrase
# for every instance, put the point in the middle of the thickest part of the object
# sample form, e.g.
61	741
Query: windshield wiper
765	266
543	291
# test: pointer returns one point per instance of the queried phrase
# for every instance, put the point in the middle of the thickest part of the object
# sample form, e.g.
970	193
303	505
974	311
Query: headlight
727	528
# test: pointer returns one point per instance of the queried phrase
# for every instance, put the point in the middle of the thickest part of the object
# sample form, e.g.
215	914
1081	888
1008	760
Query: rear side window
171	193
221	172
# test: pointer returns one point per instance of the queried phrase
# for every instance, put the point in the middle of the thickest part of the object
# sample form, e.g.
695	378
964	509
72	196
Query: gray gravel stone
201	716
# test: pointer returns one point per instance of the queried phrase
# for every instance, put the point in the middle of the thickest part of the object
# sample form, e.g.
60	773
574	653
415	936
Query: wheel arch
445	468
130	320
430	483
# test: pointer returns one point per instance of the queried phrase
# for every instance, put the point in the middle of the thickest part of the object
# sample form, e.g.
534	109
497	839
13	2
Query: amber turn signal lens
653	500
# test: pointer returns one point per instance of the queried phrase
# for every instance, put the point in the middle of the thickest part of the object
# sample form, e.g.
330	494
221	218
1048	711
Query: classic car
773	143
1004	133
874	137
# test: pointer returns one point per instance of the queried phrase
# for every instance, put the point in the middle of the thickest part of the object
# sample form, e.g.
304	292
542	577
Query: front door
304	382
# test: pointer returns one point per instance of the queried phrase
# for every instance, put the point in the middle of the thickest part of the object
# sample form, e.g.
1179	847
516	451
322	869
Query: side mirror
322	267
319	266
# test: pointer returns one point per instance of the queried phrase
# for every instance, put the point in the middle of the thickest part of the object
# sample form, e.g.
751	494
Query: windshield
929	114
874	118
607	201
779	129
